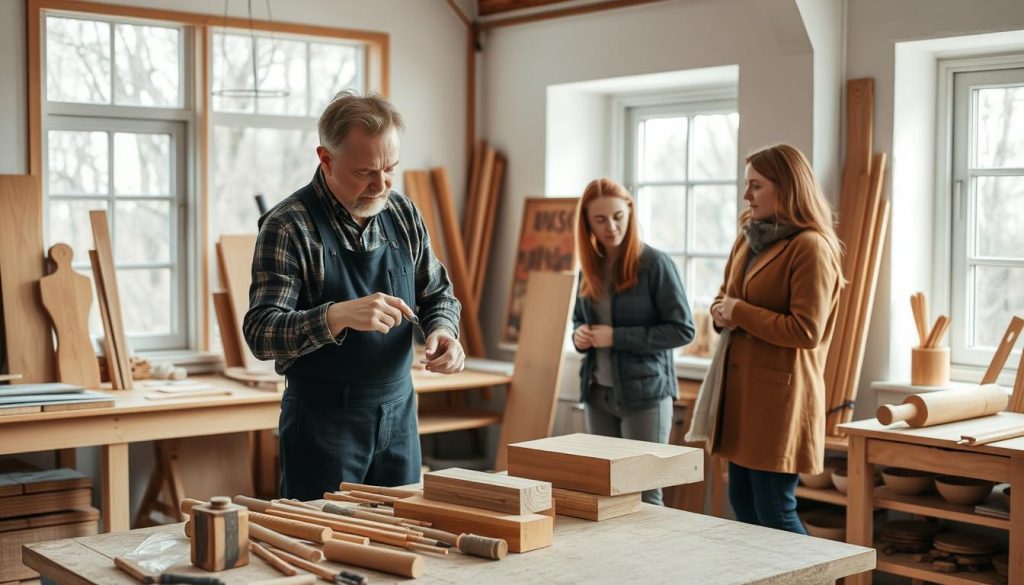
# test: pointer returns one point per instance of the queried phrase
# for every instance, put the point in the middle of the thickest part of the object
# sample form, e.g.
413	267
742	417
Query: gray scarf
761	234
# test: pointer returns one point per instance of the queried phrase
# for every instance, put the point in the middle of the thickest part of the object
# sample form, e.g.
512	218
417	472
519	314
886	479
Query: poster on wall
546	244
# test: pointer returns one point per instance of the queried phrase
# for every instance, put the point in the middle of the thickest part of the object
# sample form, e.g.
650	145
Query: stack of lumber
863	218
596	477
51	397
36	506
464	250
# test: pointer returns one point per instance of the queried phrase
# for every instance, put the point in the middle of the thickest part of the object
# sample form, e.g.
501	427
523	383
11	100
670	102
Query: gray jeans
604	417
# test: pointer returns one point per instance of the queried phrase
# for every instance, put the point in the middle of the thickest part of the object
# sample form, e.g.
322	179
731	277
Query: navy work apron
349	411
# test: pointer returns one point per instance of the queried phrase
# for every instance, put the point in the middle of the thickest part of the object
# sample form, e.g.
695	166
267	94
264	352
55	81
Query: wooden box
605	466
523	533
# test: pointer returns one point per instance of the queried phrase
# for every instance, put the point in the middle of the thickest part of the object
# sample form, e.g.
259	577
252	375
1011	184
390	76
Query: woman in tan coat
779	299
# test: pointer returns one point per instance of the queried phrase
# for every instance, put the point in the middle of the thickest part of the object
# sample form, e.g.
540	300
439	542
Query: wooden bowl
907	482
839	480
963	490
826	523
822	480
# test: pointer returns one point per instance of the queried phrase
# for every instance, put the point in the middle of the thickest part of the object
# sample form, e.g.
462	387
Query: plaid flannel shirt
288	268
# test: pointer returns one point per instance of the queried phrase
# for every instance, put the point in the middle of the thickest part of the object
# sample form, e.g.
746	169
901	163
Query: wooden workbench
932	449
133	418
655	545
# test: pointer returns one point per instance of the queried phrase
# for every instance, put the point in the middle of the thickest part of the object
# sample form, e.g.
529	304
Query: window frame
630	110
196	92
953	222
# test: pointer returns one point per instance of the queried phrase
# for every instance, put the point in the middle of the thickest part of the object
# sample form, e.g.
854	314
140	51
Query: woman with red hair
779	300
631	312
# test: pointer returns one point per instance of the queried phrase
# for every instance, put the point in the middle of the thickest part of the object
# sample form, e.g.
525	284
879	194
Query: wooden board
44	480
417	188
55	519
12	542
234	258
108	278
27	338
547	243
594	507
481	269
45	502
67	297
479	219
606	466
229	340
522	532
533	393
113	372
490	491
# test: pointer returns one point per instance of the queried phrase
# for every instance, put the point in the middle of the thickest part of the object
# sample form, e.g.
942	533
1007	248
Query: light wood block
594	507
606	466
497	492
28	341
522	532
533	393
220	537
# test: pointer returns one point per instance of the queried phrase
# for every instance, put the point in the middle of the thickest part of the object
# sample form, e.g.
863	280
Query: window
115	122
987	276
267	145
681	162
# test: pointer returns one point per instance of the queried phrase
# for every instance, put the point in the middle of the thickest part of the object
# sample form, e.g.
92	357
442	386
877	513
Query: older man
338	269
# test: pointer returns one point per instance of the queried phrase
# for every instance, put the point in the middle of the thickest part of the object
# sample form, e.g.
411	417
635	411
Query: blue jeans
765	498
605	417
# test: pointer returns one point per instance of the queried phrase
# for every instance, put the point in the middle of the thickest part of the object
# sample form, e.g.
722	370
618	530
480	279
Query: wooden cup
929	366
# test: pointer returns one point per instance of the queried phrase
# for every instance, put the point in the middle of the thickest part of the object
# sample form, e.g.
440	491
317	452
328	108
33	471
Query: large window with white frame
986	286
681	165
116	122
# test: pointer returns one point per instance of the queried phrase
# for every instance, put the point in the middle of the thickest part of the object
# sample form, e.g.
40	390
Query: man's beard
366	209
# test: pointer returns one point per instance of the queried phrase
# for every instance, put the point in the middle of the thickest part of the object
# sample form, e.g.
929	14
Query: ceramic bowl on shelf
822	480
826	523
907	482
839	480
963	490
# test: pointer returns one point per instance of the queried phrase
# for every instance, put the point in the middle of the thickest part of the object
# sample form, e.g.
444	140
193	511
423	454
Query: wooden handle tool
920	410
384	491
938	330
920	316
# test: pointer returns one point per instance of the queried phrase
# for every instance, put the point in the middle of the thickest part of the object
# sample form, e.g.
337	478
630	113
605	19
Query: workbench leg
859	502
1016	519
114	499
66	458
719	484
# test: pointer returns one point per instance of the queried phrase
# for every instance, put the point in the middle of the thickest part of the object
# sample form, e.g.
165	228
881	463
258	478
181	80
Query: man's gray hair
347	109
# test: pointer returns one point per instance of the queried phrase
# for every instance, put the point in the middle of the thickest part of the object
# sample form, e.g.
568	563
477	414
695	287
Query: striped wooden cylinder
220	535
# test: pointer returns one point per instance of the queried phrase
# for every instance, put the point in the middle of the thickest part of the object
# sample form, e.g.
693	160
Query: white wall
874	27
764	37
428	80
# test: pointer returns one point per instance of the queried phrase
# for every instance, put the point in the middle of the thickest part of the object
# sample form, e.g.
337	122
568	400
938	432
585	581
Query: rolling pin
934	408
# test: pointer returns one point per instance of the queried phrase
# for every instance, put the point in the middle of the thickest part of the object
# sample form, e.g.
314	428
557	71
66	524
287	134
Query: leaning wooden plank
533	393
480	270
490	491
594	507
108	275
27	337
607	466
234	255
461	280
472	199
229	339
479	219
45	502
113	372
11	544
52	480
523	533
417	188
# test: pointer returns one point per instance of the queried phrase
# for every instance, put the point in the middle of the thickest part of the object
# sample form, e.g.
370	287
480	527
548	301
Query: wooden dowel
254	504
273	560
336	497
938	330
325	573
374	534
304	579
426	548
442	535
296	503
376	516
915	305
375	497
384	491
285	543
371	557
292	527
310	515
186	505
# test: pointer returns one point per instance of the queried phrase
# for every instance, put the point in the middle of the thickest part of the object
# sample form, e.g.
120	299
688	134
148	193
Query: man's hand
444	353
583	338
376	312
602	335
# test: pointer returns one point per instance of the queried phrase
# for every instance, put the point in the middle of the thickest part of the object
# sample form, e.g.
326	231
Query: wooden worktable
655	545
932	449
134	418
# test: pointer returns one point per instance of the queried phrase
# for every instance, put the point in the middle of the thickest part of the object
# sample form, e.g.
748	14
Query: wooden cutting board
28	340
67	297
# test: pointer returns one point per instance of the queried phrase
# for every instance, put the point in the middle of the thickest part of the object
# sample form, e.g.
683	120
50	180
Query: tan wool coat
773	409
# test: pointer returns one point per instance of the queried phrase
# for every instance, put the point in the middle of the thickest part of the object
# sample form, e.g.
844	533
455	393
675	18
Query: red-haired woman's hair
592	252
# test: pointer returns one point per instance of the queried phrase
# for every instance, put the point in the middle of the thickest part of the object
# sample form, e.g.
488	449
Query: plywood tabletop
944	435
655	545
